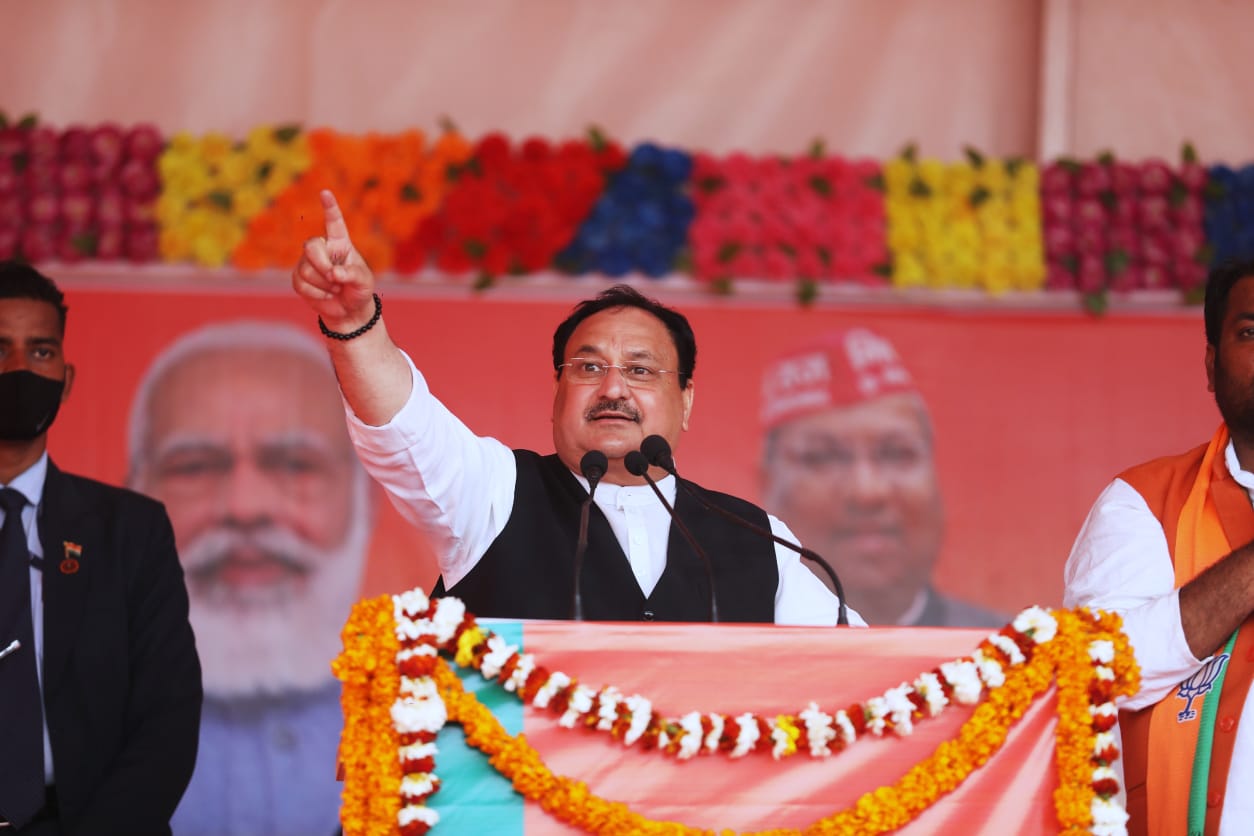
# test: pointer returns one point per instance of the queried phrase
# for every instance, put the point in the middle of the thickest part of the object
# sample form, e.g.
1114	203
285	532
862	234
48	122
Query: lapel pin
69	563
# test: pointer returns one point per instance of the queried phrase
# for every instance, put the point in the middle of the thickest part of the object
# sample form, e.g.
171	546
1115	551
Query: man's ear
688	394
1210	368
69	381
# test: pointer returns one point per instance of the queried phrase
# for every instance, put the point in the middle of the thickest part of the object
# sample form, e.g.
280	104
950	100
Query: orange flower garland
370	685
1085	653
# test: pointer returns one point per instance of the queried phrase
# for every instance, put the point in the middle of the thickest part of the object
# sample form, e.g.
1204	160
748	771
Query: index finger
337	229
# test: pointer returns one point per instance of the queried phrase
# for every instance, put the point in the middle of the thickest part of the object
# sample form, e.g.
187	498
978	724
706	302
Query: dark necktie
21	714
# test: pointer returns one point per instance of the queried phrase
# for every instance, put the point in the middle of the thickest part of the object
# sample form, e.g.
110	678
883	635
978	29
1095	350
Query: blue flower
641	221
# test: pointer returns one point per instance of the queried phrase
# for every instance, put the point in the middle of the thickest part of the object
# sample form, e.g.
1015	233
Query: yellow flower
466	643
247	201
235	170
898	174
214	148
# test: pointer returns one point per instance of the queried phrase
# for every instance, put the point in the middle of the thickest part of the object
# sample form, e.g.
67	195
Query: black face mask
28	403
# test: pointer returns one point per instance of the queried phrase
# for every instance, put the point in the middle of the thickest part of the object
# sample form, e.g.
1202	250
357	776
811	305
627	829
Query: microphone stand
593	466
637	465
658	452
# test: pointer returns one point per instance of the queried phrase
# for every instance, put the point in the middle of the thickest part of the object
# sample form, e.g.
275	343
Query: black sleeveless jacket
528	570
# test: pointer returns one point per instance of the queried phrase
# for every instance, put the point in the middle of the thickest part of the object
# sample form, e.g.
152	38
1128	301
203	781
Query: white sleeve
1121	562
801	598
454	486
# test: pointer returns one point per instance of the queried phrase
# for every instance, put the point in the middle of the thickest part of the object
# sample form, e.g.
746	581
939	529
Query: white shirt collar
621	495
31	481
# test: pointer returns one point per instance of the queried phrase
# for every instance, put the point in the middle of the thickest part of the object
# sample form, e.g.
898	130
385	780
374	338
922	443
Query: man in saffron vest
504	522
1169	545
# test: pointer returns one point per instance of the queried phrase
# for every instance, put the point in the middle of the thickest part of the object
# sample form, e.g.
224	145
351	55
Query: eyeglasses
639	375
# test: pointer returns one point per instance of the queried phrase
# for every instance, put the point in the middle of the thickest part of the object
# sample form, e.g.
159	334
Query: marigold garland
398	693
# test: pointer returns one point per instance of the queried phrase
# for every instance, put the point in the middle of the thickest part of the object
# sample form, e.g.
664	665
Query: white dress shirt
31	484
1121	562
458	489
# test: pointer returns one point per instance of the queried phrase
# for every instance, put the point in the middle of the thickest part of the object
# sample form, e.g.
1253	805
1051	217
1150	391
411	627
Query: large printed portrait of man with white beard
239	429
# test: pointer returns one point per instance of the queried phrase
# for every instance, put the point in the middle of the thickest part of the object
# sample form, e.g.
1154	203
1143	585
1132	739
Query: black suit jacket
121	680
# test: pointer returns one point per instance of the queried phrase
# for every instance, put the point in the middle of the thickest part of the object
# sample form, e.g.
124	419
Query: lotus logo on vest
1198	685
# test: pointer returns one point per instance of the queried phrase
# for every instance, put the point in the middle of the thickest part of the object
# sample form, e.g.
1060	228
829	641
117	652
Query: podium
776	675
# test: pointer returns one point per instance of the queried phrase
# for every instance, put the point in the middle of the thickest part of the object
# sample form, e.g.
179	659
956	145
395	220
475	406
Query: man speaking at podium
504	522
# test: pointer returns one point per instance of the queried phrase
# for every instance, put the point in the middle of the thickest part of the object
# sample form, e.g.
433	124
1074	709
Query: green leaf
410	193
1205	254
1188	154
483	281
818	148
1096	302
711	183
84	243
1177	194
28	122
1014	164
979	195
371	183
1070	164
876	181
1070	263
722	286
884	268
807	291
447	124
1214	191
4	120
597	138
1116	261
821	185
264	169
973	156
909	153
474	248
825	254
727	251
221	199
566	264
918	188
1107	198
286	133
1106	158
1195	295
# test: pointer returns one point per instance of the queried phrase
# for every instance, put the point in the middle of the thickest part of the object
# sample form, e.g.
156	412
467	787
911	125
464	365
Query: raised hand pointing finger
339	245
331	275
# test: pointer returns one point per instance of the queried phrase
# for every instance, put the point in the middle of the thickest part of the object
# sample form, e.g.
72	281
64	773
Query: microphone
657	451
593	466
638	465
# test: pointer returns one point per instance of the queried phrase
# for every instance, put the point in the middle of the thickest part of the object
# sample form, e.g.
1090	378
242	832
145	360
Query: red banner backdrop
1034	410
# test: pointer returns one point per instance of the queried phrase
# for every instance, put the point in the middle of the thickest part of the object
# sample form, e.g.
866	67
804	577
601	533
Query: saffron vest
528	571
1166	484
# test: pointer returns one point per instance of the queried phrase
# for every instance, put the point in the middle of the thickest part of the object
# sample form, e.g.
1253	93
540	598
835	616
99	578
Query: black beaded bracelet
352	335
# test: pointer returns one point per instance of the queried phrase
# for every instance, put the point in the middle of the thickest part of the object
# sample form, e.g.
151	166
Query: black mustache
621	406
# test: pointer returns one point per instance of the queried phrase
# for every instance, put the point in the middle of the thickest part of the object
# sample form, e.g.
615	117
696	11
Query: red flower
144	143
1094	179
1155	177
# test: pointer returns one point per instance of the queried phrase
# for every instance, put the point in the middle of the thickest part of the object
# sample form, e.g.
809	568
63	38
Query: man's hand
331	275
